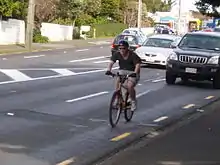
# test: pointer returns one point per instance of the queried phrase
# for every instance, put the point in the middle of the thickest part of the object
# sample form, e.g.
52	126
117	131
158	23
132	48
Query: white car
157	48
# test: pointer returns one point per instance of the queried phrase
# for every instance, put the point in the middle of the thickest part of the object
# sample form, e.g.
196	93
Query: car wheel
170	78
184	79
216	81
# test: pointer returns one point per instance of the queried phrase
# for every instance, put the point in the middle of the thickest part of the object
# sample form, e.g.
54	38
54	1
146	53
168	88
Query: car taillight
113	45
138	46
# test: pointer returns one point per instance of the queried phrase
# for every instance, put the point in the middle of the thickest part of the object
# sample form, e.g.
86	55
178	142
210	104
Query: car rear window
199	41
132	40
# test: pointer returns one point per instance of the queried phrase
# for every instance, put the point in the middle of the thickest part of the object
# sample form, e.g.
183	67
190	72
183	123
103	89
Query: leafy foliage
209	7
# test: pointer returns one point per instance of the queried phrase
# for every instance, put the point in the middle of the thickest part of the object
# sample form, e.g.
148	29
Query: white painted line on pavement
153	79
82	50
160	119
15	74
87	97
64	72
4	59
88	59
159	80
143	93
98	62
34	56
97	120
56	76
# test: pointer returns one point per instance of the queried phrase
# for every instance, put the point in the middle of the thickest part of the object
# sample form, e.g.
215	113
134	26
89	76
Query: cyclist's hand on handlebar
108	73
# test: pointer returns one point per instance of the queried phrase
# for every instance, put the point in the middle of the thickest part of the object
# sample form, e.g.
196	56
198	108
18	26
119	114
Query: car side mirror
173	45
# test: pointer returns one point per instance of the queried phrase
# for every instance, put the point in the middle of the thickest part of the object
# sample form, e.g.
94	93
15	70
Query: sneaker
133	105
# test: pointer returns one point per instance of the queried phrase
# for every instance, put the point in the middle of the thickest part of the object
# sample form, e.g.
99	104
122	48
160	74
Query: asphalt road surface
54	106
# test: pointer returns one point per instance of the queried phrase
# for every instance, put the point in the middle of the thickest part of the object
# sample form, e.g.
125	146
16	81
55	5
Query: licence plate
191	70
149	59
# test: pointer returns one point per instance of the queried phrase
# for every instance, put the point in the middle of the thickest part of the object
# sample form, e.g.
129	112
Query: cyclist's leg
132	82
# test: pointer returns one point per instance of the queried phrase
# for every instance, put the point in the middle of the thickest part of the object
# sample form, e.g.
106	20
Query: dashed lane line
209	97
161	119
120	137
67	162
188	106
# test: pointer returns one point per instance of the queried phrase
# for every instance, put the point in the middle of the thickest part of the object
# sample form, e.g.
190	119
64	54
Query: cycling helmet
123	43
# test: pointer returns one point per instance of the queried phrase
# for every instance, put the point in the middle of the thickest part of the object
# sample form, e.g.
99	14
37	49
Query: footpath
192	142
9	49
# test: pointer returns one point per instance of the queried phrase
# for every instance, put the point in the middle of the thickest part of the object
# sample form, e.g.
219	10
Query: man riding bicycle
129	63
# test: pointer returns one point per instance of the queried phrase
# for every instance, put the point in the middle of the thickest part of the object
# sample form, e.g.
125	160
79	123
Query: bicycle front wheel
128	114
115	108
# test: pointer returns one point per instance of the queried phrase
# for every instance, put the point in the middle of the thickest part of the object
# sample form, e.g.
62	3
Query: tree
71	9
93	8
110	8
7	7
44	11
209	7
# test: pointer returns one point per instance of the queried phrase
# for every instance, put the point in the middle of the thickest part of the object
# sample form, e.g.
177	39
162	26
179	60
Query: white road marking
64	72
87	97
153	79
10	114
34	56
143	93
4	59
15	74
160	119
98	62
98	120
88	59
82	50
159	80
139	84
56	76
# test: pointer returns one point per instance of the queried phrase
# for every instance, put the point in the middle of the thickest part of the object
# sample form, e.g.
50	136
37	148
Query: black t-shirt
129	63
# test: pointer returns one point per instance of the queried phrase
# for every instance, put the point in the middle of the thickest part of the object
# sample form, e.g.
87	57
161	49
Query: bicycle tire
128	110
114	96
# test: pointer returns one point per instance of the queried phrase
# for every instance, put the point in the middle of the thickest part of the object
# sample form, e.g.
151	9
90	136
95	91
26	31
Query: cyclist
129	63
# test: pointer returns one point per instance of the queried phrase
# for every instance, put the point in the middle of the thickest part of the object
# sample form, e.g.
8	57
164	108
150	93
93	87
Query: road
54	106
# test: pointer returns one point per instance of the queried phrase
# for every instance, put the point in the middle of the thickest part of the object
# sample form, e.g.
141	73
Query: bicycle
122	101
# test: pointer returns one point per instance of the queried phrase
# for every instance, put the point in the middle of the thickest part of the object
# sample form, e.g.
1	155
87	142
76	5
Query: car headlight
139	53
213	60
173	56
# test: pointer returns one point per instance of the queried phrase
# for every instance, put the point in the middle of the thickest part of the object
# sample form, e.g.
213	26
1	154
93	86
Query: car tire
216	81
184	79
170	78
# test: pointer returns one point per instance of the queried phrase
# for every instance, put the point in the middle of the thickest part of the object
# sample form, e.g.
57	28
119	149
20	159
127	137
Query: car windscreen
199	41
158	42
132	40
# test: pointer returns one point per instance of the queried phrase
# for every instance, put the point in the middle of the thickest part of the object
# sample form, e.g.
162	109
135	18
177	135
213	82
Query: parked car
156	49
195	57
135	31
134	41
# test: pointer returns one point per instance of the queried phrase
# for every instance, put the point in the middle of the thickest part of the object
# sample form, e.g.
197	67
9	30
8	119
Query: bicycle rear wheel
128	114
115	109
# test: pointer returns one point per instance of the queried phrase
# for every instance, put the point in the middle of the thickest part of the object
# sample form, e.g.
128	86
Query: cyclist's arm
137	62
110	65
112	61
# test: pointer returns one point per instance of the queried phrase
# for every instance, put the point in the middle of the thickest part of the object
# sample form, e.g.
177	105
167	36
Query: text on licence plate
191	70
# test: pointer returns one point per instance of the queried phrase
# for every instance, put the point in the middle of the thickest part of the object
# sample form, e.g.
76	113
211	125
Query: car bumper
192	70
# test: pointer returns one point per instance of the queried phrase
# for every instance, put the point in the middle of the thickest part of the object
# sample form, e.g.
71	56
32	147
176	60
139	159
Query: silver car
157	48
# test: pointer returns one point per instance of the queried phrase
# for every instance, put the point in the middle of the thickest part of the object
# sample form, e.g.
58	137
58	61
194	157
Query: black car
197	57
134	41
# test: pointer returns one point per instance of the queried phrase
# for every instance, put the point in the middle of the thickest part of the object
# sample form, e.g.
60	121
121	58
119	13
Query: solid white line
160	119
82	50
87	97
64	72
98	62
88	59
34	56
159	80
98	120
56	76
143	93
15	74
